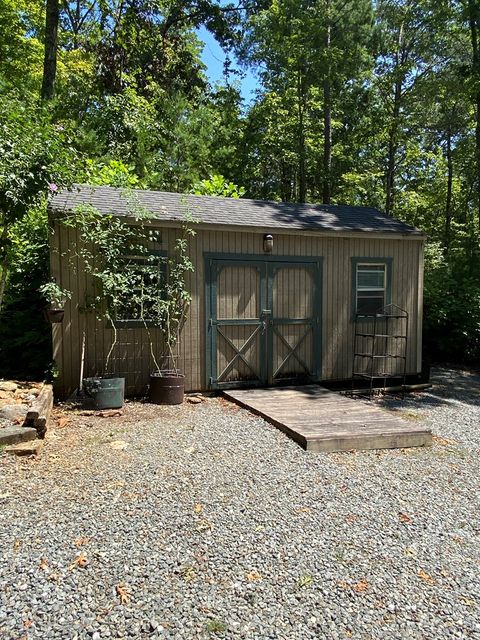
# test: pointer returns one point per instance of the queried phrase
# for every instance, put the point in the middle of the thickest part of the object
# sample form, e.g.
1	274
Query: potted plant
56	297
168	307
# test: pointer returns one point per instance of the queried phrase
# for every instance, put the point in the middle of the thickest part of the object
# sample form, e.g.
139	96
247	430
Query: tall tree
319	49
52	16
410	49
473	9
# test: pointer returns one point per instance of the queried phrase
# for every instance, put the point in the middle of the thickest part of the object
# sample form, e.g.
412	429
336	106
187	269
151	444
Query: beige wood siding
132	355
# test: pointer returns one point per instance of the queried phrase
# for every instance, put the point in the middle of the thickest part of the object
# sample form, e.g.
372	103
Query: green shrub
452	304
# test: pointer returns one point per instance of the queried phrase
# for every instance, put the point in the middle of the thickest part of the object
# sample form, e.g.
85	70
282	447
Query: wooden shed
275	293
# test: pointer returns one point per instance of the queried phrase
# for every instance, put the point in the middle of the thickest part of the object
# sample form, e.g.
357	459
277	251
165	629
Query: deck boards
322	420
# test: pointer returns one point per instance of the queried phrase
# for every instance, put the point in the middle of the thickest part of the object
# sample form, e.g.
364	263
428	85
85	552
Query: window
371	278
146	276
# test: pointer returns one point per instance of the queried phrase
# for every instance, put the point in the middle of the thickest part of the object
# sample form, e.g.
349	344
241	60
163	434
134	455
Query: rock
32	448
120	445
13	411
194	400
6	385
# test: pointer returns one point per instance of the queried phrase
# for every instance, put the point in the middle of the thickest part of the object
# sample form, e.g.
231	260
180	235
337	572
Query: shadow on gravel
449	387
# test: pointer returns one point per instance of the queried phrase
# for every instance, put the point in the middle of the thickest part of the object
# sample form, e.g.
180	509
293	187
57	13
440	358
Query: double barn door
263	319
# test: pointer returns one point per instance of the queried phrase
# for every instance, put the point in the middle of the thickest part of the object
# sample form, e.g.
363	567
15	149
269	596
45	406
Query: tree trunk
448	202
51	46
474	22
400	58
392	151
327	125
302	182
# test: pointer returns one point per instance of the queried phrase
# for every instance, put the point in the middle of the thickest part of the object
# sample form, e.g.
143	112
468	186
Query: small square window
371	288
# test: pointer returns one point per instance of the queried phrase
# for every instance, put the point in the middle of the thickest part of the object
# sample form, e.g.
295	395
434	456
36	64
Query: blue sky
213	57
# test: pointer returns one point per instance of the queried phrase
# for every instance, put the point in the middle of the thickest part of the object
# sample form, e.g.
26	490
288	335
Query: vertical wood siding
132	355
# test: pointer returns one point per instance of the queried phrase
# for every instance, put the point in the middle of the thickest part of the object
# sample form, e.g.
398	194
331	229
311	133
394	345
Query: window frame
136	323
358	261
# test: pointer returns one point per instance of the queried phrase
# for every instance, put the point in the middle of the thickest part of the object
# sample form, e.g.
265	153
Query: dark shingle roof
171	207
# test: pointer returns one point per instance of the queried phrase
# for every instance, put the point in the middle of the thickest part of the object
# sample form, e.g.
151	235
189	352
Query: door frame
210	282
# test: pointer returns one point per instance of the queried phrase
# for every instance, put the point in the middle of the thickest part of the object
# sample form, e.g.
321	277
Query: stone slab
12	435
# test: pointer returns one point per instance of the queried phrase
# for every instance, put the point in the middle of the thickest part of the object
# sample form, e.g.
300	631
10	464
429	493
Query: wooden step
321	420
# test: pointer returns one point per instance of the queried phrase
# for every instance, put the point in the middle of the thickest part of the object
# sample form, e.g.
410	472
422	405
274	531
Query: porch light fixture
268	243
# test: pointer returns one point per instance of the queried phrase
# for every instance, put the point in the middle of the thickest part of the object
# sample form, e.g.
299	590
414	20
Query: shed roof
232	212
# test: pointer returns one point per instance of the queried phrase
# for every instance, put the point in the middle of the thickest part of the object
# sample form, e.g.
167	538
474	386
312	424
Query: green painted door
263	321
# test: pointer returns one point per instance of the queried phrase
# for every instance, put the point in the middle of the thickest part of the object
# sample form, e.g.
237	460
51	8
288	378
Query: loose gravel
202	521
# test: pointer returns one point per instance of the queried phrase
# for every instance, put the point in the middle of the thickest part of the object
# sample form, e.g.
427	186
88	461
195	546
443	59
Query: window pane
370	304
371	267
371	278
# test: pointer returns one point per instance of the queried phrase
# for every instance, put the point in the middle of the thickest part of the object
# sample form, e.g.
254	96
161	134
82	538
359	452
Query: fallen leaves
425	577
17	545
115	485
123	593
204	525
198	508
62	422
80	561
253	576
112	413
82	540
361	586
405	518
443	442
43	565
467	601
189	574
305	581
303	510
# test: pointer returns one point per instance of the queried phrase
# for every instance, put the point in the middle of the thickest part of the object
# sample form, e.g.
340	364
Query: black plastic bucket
107	393
166	387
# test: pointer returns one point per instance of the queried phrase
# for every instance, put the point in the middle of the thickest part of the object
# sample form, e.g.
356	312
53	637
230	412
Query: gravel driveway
203	521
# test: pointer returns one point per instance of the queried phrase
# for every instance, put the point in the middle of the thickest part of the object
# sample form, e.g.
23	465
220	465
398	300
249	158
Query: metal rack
380	347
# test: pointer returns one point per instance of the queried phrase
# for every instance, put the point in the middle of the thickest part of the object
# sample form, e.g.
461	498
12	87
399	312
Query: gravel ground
202	521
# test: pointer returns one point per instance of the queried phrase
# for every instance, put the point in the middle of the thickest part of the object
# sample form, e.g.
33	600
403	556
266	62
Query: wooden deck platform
322	420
